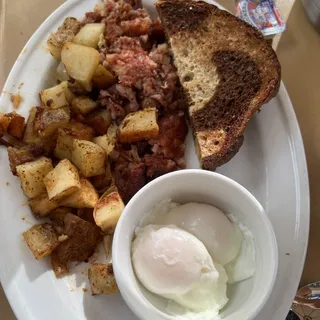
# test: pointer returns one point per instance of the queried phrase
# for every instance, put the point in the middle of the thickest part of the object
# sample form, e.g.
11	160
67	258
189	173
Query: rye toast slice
227	69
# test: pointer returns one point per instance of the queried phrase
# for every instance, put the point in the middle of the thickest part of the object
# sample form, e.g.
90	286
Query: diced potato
107	141
4	123
41	205
64	34
16	126
107	211
88	157
89	35
100	121
62	181
81	63
85	197
103	181
48	120
30	136
22	155
41	239
57	96
83	104
66	135
103	78
140	125
102	280
31	175
60	268
107	244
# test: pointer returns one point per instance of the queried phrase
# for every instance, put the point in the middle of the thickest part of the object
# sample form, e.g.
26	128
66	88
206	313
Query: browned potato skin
32	138
22	155
4	123
16	126
48	120
103	78
102	279
65	33
41	239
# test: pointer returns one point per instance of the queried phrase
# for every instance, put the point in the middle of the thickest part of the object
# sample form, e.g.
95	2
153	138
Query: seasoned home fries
113	120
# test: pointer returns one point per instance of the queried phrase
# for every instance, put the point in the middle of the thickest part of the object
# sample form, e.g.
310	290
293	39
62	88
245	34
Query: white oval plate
271	164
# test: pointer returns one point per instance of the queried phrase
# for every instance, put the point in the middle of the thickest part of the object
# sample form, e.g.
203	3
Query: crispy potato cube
48	121
64	34
16	126
66	135
41	239
62	181
31	137
107	211
22	155
81	63
60	268
31	175
4	123
85	197
89	35
88	157
100	121
107	141
138	126
41	205
57	96
83	104
103	78
102	280
107	244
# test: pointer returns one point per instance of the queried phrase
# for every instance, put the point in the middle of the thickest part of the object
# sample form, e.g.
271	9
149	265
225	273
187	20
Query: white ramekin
247	297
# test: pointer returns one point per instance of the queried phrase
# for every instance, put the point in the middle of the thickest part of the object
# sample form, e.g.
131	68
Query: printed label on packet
262	14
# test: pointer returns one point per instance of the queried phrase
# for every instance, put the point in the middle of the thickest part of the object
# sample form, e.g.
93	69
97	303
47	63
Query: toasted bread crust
210	43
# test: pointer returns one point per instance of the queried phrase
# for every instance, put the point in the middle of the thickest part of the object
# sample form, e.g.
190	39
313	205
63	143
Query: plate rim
299	166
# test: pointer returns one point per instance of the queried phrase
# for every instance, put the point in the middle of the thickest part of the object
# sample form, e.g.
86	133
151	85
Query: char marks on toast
227	71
